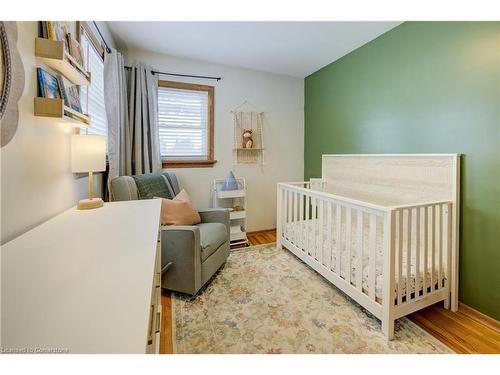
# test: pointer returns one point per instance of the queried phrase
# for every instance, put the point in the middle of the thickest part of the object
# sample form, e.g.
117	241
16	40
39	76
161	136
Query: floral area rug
265	300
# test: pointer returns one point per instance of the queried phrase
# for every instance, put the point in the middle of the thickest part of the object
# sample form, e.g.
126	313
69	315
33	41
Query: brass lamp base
88	204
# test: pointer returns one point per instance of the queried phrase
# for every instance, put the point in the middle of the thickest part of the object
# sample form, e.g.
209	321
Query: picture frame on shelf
74	98
48	85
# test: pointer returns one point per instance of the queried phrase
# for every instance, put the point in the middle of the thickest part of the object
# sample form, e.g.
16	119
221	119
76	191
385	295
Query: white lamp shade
88	153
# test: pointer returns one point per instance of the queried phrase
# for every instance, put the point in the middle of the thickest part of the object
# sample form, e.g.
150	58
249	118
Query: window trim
84	27
169	163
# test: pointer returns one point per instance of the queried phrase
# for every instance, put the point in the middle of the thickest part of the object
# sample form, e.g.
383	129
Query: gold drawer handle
150	330
158	321
158	279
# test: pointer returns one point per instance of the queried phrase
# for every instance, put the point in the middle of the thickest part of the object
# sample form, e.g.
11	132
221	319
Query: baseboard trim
479	316
260	231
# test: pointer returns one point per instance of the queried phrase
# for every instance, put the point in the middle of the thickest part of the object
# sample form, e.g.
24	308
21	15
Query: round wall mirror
4	76
11	80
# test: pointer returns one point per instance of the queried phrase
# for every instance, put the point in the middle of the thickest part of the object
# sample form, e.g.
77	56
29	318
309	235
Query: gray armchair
196	251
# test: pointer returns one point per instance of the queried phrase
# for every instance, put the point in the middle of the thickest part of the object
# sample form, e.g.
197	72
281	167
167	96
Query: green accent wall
423	87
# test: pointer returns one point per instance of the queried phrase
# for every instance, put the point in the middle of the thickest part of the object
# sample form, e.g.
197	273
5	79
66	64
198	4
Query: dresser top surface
82	280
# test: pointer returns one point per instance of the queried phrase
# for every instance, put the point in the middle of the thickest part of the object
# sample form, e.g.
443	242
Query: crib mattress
297	232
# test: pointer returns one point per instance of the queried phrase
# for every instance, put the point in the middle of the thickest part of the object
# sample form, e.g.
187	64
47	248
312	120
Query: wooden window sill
188	163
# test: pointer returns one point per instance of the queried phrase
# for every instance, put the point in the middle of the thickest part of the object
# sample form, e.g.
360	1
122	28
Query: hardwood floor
166	324
466	331
262	237
460	331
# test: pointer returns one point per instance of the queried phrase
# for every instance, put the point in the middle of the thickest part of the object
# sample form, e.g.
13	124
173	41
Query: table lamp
88	155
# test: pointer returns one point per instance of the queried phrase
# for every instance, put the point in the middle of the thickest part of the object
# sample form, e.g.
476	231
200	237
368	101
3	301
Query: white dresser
86	281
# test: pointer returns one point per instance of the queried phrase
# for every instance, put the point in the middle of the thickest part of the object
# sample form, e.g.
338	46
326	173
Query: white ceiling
291	48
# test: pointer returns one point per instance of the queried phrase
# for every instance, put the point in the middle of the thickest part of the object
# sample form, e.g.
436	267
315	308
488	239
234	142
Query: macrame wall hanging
248	138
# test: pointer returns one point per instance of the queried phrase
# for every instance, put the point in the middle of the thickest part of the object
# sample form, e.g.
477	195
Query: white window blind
92	96
183	124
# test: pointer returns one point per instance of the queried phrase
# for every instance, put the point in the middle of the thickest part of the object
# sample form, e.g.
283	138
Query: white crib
382	228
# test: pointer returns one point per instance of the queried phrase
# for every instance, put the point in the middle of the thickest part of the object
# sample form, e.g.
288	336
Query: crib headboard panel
393	179
399	179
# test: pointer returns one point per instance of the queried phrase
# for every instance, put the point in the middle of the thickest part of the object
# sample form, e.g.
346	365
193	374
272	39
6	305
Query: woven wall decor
245	151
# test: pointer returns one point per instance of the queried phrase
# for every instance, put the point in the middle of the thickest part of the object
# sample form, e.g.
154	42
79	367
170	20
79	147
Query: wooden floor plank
463	331
166	324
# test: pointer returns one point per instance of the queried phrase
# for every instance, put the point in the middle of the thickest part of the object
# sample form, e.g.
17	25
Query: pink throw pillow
179	211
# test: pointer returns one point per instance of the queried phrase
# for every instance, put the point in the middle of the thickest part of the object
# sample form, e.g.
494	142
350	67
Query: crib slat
440	246
417	252
290	214
314	237
408	256
295	218
307	248
400	256
301	222
433	246
279	219
285	213
448	245
359	243
426	250
329	215
348	223
338	242
321	230
372	273
312	230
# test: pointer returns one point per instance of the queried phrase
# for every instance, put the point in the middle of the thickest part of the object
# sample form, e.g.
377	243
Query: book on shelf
60	31
75	50
55	30
50	31
48	85
74	98
56	87
62	89
43	30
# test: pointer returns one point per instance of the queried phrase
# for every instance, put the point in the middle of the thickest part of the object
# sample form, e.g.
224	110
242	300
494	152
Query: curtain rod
108	50
181	75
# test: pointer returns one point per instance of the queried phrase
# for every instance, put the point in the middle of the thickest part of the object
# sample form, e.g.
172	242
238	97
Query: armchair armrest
181	246
214	215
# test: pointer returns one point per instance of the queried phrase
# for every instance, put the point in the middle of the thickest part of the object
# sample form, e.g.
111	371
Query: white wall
36	178
282	100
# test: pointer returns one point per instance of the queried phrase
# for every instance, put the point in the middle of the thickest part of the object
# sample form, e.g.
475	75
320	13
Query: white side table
236	202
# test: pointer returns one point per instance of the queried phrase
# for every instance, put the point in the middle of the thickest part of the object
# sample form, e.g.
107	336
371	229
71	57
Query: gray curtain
143	119
131	109
115	93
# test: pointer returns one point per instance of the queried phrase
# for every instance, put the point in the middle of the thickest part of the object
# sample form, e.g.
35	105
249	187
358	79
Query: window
185	122
92	96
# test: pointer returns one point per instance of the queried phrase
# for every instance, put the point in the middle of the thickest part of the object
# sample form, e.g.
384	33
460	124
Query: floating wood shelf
222	194
53	53
55	108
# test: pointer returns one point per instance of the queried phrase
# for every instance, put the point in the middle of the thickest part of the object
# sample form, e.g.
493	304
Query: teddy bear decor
247	138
